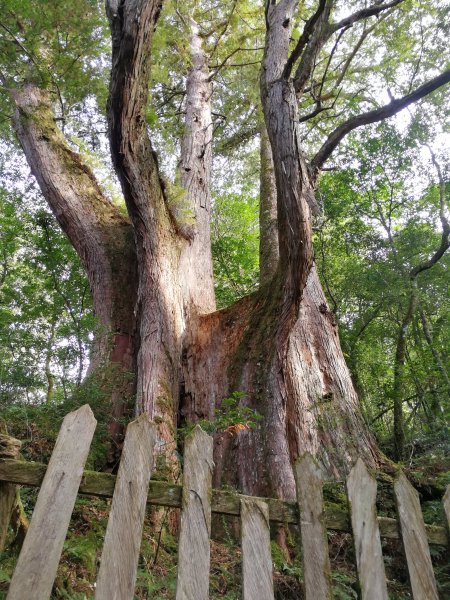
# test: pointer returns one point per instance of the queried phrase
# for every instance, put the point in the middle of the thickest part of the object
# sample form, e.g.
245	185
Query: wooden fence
132	489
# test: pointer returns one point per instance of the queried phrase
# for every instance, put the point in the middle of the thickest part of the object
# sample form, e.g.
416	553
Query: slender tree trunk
48	358
268	224
435	352
399	367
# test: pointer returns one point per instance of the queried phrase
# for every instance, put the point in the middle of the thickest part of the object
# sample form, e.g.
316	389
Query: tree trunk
102	237
151	273
399	368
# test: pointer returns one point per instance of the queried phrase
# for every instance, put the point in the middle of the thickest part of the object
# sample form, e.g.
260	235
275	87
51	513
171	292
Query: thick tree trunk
102	237
151	275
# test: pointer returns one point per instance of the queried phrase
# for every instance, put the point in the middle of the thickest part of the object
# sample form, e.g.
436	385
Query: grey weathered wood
118	566
446	503
9	448
316	562
257	578
161	493
38	560
362	494
414	540
195	529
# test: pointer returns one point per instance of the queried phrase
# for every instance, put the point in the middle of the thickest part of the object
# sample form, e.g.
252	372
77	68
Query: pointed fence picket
118	566
257	579
38	561
132	490
362	495
313	532
414	537
195	528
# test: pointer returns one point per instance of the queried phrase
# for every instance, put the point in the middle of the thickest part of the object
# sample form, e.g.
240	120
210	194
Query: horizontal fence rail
161	493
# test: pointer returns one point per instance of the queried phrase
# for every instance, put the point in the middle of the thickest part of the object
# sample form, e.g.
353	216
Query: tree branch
304	39
373	116
364	13
445	241
132	24
316	38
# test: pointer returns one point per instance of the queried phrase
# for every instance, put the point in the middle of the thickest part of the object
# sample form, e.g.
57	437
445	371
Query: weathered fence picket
132	490
195	529
446	503
118	565
362	495
38	561
257	580
9	448
313	532
415	544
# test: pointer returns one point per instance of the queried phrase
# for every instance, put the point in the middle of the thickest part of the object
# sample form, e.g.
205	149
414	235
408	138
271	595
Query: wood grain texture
195	530
257	578
38	560
316	562
362	495
119	561
446	503
161	493
414	539
9	448
7	501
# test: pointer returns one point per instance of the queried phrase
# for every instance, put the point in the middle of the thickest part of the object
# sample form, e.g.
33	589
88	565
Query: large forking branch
316	32
132	25
373	116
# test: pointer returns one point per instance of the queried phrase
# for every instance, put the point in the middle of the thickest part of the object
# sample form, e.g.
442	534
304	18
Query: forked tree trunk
151	274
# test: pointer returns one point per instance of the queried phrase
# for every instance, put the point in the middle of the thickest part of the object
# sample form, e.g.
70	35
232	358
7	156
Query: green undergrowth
37	425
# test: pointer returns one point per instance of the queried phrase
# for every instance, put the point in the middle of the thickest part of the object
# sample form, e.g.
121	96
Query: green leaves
381	220
235	243
62	48
45	306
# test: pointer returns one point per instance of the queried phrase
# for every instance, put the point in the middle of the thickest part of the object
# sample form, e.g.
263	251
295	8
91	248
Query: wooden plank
414	540
38	560
118	566
161	493
257	577
316	562
9	448
195	529
446	503
362	495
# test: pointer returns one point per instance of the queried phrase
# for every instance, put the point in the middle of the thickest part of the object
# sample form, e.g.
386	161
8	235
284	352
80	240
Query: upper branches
303	40
376	8
445	237
373	116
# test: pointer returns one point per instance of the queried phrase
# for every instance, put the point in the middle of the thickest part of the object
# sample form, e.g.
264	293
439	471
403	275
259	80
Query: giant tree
150	270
